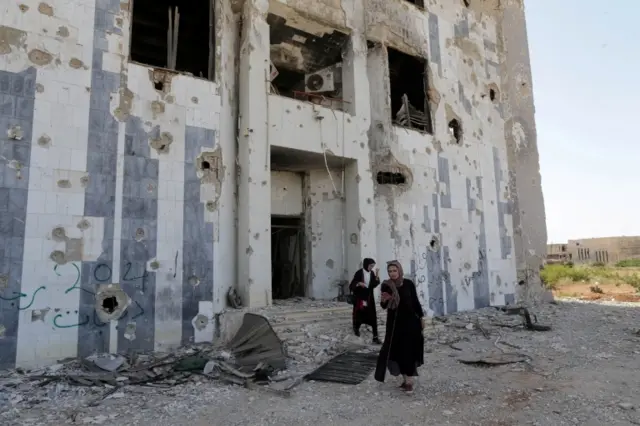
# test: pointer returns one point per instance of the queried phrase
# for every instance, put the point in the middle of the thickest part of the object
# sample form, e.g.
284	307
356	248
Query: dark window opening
455	130
175	35
492	95
390	178
110	304
419	3
408	86
305	66
466	2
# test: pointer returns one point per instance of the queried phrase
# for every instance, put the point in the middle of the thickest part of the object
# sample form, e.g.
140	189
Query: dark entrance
287	239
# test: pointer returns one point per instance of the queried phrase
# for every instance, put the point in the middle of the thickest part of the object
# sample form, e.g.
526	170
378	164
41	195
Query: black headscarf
367	262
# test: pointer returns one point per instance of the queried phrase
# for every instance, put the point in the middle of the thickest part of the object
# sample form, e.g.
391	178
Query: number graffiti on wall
101	273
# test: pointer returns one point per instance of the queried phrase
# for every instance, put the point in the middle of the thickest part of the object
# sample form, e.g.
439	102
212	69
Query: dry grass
593	283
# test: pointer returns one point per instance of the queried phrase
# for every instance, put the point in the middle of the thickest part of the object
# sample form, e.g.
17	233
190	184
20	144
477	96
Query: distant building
606	250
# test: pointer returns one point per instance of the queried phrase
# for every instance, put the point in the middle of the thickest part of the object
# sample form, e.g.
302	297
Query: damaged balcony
307	62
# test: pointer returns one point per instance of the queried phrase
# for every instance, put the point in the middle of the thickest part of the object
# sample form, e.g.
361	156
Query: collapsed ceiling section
304	51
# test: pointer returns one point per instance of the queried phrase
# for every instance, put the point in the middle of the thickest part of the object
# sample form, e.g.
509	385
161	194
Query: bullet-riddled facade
157	154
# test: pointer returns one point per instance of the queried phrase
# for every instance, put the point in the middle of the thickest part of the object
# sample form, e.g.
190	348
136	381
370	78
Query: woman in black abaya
364	306
403	349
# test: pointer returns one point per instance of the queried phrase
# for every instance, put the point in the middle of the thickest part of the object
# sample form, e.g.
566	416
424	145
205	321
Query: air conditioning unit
319	81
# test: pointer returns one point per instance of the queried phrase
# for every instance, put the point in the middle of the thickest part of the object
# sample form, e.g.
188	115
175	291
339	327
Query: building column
360	220
254	177
529	222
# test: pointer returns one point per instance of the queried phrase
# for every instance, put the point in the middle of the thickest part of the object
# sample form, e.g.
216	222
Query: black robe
403	348
364	314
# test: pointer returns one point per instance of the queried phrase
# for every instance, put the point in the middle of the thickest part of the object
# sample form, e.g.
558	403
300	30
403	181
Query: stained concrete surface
582	372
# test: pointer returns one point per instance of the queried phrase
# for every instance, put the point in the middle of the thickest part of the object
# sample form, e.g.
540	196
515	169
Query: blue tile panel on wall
197	252
17	100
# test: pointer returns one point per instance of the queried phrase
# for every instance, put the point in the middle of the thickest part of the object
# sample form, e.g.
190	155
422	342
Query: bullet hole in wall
110	304
434	244
455	130
390	178
492	95
206	165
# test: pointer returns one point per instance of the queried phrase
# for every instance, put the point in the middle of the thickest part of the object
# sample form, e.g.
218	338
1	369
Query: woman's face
393	272
370	267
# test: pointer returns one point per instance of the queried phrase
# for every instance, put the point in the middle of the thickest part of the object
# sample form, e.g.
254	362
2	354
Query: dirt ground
585	371
610	291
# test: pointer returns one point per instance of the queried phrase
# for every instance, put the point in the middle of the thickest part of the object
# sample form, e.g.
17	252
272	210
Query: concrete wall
101	193
286	193
604	250
104	193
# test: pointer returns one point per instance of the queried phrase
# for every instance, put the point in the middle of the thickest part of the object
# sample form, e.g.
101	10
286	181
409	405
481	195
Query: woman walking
403	349
364	305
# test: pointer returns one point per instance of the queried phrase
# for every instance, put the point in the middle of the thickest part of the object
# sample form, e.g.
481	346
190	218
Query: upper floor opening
174	34
408	91
307	64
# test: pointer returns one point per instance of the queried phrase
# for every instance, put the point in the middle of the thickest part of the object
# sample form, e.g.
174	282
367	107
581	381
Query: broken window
408	87
174	34
419	3
306	66
390	178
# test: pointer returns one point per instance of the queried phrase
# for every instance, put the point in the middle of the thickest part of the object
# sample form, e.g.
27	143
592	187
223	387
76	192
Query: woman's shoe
408	388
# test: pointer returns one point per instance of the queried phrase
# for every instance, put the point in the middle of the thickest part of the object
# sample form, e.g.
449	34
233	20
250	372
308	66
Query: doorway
287	239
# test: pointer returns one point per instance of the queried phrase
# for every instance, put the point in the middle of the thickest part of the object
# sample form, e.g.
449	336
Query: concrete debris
565	375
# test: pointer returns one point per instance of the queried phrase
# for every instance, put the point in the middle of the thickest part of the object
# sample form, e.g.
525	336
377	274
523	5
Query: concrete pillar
529	222
254	177
360	223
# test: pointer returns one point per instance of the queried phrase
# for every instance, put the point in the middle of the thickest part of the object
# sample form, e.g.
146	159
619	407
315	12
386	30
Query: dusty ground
610	291
585	371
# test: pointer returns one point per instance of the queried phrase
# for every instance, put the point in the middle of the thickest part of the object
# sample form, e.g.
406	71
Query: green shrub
628	263
633	280
552	274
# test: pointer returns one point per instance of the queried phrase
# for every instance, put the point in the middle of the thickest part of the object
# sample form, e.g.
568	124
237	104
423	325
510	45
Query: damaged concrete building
156	154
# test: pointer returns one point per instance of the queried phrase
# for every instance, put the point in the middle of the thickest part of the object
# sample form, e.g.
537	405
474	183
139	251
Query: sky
585	60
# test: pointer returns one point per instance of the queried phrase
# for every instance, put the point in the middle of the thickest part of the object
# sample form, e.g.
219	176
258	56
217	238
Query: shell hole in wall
434	244
455	130
408	91
419	3
492	95
159	85
466	2
110	304
174	35
206	165
390	178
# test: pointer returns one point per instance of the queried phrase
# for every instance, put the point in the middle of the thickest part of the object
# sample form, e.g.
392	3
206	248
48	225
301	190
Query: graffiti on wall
102	273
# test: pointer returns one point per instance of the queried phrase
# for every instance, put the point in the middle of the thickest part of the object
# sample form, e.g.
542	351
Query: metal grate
349	368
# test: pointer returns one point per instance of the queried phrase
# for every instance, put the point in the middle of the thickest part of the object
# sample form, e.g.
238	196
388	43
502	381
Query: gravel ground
585	371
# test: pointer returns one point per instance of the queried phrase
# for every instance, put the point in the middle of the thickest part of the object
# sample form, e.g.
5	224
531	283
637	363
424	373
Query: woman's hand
385	297
362	285
377	271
